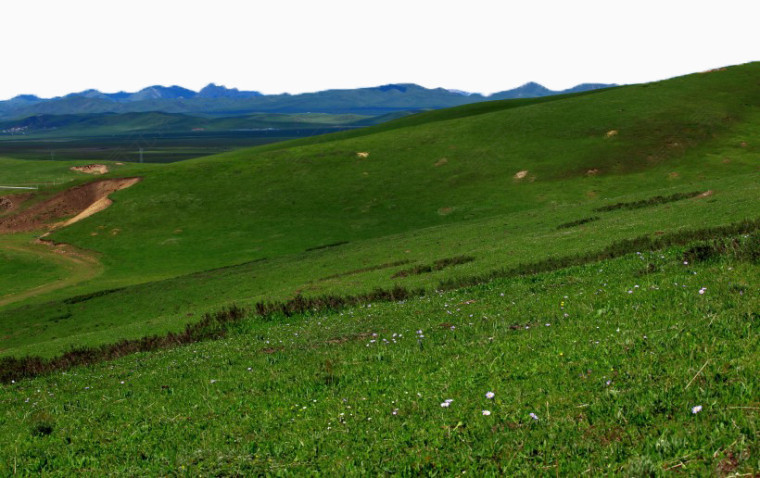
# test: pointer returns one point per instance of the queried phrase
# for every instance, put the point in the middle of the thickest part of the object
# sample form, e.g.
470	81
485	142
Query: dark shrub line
743	249
85	297
579	222
438	265
327	246
648	202
211	326
616	249
216	325
387	265
319	304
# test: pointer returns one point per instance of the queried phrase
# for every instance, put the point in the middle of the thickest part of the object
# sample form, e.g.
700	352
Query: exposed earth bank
65	208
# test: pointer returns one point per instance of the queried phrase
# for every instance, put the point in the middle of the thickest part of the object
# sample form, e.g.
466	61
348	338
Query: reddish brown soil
72	202
11	202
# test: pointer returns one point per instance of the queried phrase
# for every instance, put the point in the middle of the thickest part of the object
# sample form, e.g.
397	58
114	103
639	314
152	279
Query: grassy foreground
636	366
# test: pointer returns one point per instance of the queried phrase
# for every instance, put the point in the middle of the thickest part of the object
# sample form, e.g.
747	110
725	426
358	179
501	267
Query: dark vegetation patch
649	269
42	429
438	265
305	305
653	201
327	246
579	222
618	249
387	265
744	249
348	338
212	326
58	318
216	325
216	270
85	297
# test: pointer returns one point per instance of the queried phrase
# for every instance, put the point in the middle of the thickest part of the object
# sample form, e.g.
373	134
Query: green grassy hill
478	195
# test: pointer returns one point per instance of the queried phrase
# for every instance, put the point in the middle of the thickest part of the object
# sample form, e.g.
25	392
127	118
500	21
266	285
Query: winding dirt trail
61	210
78	266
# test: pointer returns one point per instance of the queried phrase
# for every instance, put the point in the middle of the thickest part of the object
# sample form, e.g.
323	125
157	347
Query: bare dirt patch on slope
11	202
91	169
66	207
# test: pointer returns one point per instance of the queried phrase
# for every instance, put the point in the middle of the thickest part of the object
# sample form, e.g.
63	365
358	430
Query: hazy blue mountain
158	92
213	91
217	100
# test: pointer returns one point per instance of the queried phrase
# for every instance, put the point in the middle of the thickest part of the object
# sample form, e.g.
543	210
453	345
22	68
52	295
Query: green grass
611	358
185	230
21	269
33	174
631	344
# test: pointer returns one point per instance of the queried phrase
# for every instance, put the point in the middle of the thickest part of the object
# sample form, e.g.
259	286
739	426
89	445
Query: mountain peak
220	91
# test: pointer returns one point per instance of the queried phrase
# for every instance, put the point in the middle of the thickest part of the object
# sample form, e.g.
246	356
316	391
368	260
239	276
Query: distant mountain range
214	100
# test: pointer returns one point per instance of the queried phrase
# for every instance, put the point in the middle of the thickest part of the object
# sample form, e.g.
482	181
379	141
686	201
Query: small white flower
445	404
702	290
696	409
486	412
533	416
490	395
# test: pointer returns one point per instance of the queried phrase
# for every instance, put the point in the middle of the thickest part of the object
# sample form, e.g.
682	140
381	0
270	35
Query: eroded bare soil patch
91	169
66	207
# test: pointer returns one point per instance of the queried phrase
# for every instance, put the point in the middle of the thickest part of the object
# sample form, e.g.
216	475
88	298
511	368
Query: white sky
53	47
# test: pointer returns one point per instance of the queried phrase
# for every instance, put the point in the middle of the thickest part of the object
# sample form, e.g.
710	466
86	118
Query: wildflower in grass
702	290
696	409
445	404
490	395
486	413
395	411
533	416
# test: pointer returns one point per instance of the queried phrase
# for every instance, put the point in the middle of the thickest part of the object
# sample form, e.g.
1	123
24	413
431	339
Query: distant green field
164	137
470	195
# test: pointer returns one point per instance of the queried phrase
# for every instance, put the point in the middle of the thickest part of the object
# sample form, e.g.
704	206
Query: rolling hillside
436	176
538	286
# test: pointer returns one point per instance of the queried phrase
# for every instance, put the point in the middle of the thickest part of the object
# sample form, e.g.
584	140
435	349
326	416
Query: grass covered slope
635	366
255	225
251	204
568	322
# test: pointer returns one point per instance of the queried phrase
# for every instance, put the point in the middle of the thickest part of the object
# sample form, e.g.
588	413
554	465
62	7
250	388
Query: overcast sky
51	48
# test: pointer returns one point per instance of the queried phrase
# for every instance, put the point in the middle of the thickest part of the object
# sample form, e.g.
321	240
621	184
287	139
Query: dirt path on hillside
78	266
61	210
